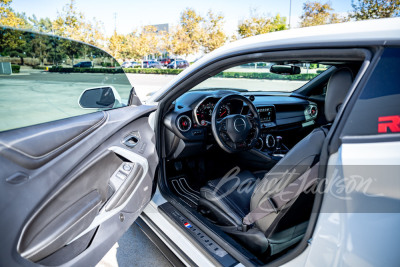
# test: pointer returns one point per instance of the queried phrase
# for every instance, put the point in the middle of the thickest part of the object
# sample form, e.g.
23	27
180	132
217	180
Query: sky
127	15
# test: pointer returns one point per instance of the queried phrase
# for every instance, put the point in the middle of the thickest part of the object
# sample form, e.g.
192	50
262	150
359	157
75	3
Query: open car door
70	185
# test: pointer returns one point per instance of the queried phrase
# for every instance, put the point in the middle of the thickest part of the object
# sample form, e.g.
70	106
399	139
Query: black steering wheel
236	132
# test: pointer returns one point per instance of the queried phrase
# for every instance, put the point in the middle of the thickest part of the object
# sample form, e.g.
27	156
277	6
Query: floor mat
186	193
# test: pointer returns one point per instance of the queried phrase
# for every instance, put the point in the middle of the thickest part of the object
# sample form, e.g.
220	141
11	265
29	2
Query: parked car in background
152	64
84	64
130	64
135	64
165	61
180	64
173	59
126	64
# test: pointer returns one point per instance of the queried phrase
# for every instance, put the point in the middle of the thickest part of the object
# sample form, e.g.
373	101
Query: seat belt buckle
273	205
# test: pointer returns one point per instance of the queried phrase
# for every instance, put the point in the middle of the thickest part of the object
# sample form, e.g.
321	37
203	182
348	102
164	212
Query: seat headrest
338	86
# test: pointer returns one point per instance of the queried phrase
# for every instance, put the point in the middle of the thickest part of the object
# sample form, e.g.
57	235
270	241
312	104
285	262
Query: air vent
312	111
184	123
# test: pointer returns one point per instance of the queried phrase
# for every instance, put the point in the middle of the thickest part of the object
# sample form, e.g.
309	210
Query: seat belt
277	202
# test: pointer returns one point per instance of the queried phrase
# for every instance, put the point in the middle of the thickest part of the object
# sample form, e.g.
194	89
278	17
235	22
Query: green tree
69	22
41	25
40	47
72	24
92	32
316	13
12	43
180	42
143	43
187	37
117	45
257	24
213	31
9	18
72	49
375	9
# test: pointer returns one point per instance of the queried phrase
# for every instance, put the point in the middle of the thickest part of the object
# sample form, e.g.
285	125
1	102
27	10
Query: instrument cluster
204	110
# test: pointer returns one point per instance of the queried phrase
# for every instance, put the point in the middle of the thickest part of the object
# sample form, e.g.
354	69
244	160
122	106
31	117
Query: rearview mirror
285	69
100	98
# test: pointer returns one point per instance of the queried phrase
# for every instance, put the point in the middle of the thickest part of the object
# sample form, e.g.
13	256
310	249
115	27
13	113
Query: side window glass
378	107
45	78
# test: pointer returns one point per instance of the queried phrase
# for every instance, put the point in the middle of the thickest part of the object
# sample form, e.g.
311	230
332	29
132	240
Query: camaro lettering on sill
389	124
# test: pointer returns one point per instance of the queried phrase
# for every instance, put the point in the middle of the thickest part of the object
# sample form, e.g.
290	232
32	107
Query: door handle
131	140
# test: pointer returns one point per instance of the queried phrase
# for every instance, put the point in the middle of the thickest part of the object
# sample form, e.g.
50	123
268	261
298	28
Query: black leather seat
226	201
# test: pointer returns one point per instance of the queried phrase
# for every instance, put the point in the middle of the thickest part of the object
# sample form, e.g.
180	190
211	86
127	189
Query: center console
269	143
267	116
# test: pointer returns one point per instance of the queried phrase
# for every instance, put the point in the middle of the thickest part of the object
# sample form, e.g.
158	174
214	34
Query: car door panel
34	146
71	199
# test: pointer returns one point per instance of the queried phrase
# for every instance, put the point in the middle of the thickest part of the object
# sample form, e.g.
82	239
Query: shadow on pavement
134	249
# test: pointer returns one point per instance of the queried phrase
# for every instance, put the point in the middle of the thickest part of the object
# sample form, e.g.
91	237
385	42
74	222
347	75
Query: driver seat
226	201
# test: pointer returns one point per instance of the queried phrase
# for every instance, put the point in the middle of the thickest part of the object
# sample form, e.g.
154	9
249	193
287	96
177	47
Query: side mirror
285	69
100	98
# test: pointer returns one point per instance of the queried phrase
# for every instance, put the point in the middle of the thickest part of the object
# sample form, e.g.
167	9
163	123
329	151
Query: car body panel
342	238
44	192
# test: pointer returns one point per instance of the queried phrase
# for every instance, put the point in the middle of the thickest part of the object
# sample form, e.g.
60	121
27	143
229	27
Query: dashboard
204	109
189	123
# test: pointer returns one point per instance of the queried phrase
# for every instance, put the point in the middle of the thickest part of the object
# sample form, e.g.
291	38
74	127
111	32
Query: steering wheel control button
223	126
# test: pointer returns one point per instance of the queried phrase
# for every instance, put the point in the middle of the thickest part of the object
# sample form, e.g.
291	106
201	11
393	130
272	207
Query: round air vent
313	111
184	123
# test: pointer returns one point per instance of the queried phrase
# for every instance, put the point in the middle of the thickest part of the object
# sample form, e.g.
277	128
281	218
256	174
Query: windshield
257	77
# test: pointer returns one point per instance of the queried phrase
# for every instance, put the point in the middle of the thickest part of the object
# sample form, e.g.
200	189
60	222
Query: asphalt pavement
133	249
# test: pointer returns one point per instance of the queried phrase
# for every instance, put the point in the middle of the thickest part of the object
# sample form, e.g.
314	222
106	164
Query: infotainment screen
267	114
